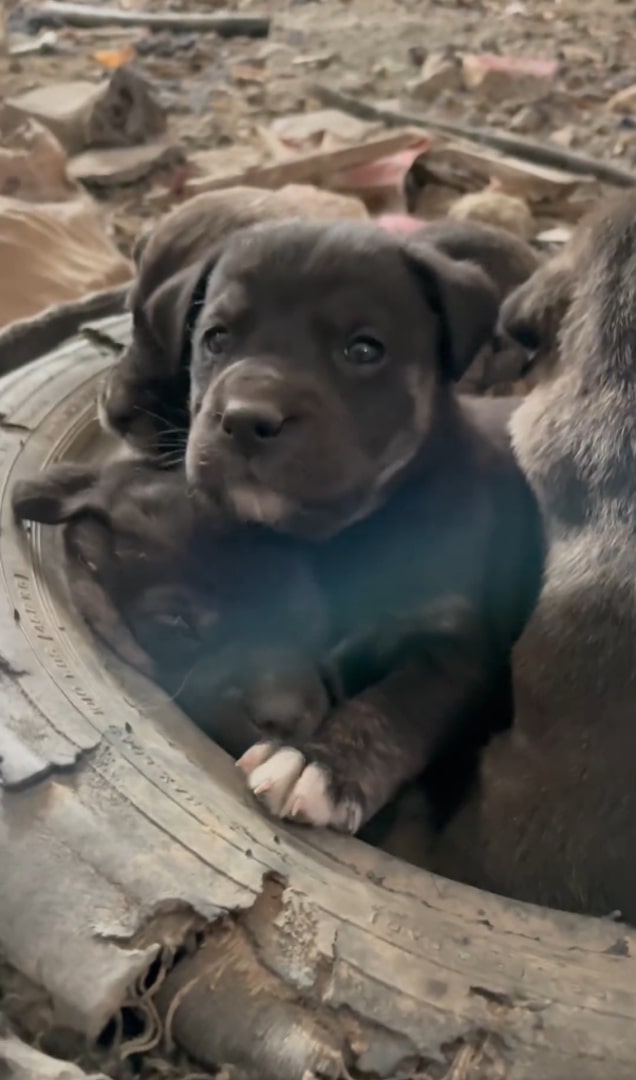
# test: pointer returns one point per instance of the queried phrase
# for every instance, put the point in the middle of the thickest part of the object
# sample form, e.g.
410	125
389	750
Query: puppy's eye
364	351
216	339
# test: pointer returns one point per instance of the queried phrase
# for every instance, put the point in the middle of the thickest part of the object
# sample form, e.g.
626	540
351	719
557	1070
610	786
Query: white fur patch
253	503
403	448
255	756
311	804
288	788
272	782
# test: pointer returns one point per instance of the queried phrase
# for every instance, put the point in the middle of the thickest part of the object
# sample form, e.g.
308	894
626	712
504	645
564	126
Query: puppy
229	620
145	396
323	365
555	820
509	262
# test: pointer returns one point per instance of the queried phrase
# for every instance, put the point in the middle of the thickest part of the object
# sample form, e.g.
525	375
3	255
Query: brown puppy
323	361
509	262
556	819
228	619
145	396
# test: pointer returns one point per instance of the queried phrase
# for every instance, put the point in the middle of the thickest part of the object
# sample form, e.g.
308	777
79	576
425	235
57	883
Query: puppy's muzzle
251	424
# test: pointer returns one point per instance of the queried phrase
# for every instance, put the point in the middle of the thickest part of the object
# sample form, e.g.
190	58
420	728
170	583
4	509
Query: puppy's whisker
156	416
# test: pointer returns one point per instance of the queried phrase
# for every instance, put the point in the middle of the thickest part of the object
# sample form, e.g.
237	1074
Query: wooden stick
28	339
538	153
87	15
315	168
103	342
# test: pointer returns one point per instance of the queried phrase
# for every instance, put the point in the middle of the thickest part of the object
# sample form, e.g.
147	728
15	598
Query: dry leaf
114	58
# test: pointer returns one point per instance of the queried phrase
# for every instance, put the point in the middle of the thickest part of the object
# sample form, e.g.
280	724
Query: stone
564	136
495	208
440	72
120	111
501	78
127	165
624	101
528	120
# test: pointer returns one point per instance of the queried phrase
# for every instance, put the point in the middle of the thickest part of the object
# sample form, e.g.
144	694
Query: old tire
126	836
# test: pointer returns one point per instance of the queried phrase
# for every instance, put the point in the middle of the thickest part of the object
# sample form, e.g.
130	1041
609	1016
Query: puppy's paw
289	787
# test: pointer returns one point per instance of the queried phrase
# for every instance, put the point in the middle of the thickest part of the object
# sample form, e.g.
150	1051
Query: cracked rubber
123	830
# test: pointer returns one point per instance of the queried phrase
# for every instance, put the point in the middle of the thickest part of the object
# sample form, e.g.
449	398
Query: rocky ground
222	93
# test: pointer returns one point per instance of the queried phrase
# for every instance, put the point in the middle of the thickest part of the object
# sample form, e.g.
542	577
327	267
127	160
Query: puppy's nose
252	423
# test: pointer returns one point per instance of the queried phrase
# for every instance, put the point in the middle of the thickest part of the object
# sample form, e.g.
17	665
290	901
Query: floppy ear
57	496
465	300
169	314
533	313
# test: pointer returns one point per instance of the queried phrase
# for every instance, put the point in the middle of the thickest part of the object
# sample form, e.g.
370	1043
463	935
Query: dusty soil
219	93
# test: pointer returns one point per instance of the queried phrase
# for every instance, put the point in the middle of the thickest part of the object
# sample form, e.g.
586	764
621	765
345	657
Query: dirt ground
220	93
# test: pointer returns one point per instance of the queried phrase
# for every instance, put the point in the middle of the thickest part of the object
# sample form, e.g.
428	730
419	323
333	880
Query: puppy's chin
259	505
256	504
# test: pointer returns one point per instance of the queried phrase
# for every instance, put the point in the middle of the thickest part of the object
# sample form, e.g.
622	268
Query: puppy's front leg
369	747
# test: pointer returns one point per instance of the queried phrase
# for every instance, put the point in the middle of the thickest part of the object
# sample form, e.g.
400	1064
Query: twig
87	15
104	342
538	153
23	341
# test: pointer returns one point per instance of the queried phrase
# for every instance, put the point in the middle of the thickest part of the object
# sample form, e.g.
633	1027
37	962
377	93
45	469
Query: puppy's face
185	586
319	361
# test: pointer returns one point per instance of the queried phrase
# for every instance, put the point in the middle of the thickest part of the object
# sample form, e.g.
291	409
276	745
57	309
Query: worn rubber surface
123	830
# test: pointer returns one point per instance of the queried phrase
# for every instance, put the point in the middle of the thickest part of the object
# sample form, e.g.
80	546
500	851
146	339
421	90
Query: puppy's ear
464	298
169	314
57	496
532	315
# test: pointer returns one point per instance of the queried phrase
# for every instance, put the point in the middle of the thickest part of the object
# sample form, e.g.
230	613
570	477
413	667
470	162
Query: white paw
288	788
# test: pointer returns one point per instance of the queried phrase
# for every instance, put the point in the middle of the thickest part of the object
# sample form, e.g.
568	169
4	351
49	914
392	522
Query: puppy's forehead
300	259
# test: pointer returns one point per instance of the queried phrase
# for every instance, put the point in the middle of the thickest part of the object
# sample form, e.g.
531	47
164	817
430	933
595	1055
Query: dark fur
228	619
509	262
555	822
145	395
431	549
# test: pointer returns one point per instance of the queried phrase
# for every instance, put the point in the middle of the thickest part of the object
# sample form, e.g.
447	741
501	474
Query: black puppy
229	620
145	395
323	364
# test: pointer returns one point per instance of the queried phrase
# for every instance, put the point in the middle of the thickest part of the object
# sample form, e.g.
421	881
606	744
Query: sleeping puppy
323	365
555	822
145	396
227	619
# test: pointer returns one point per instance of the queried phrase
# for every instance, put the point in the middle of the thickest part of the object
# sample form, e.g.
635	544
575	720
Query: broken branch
87	15
538	153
